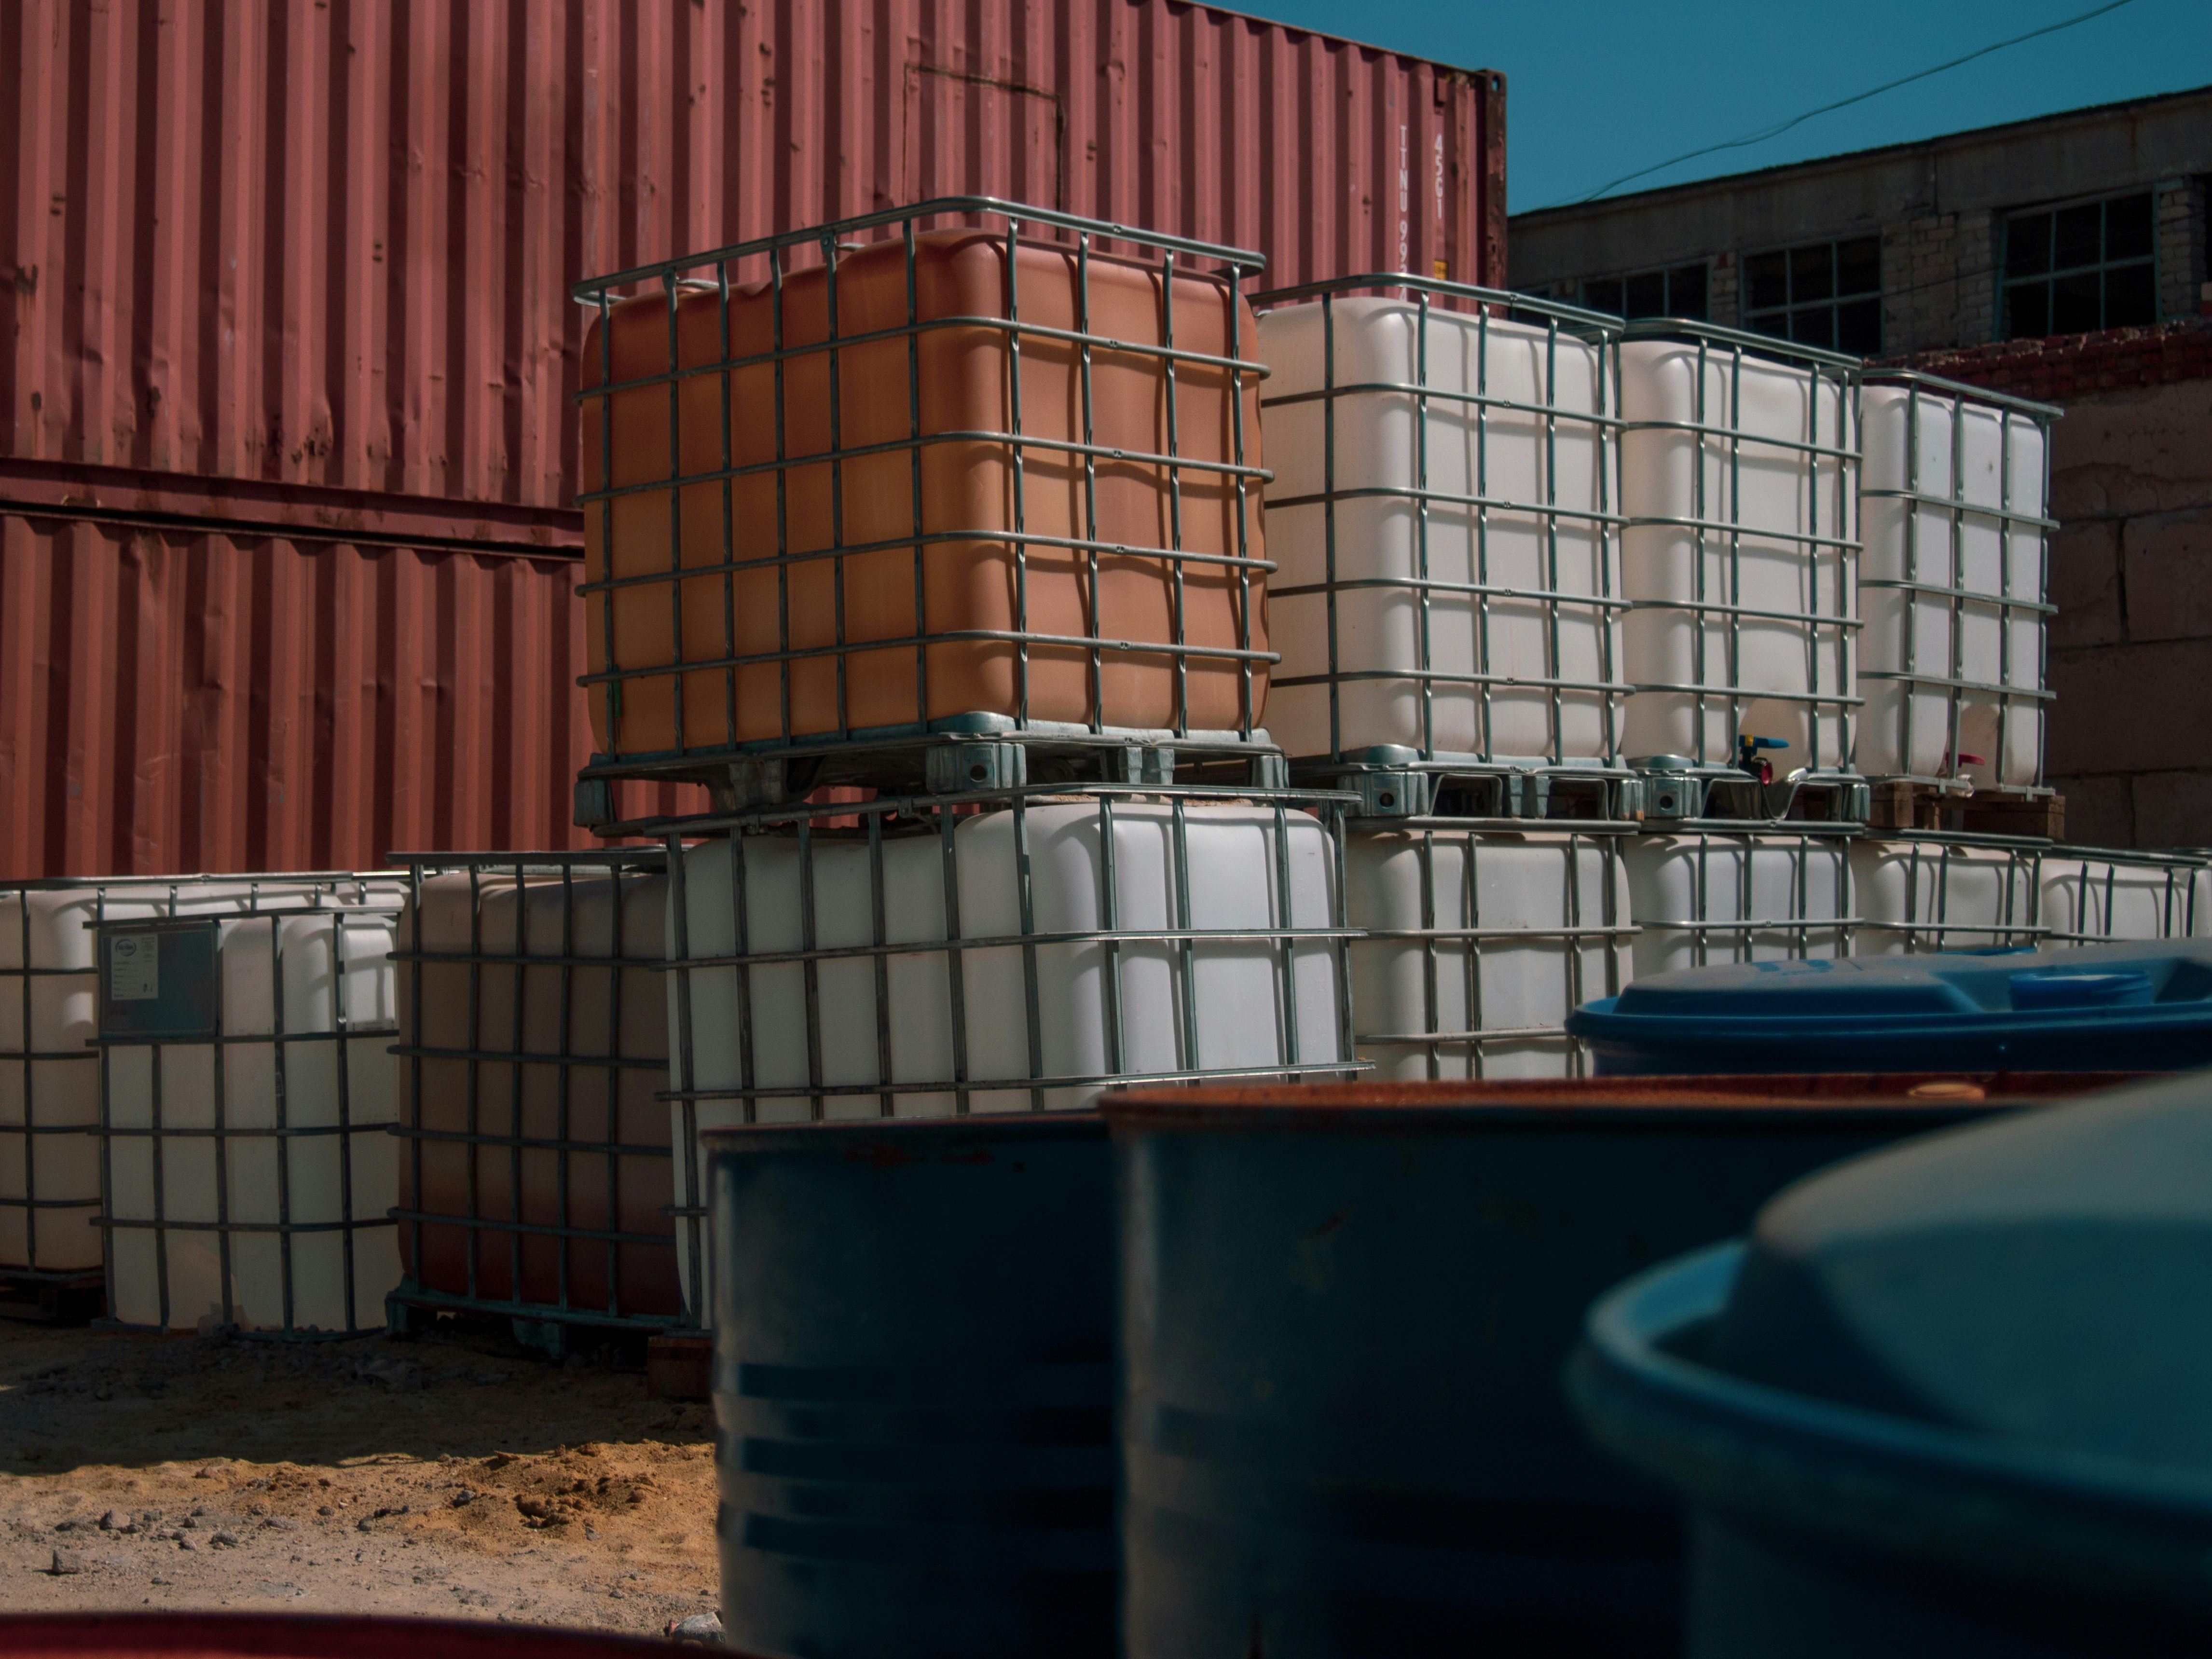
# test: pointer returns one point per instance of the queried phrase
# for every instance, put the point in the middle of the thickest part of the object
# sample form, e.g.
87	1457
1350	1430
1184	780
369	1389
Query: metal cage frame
1614	928
1957	510
1709	522
342	1033
829	758
509	872
940	816
2178	917
1931	936
1605	425
29	1056
1799	928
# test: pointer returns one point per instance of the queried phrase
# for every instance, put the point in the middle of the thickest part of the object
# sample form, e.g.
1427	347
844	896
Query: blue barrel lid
2041	1277
2068	1009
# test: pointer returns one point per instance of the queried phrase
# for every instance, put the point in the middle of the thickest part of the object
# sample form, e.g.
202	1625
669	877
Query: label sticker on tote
134	968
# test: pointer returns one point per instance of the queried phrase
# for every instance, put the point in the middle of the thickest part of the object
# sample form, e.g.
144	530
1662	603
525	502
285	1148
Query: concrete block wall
2181	232
2131	732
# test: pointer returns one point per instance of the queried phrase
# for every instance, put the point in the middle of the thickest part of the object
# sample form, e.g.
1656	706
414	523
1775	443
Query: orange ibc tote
938	472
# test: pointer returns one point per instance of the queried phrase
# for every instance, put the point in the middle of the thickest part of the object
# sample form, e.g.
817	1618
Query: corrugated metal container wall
320	250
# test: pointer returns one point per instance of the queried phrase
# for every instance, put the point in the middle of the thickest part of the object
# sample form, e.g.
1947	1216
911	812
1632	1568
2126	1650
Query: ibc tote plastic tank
1925	893
49	1012
1702	898
535	1168
1739	478
1478	946
248	1089
1954	581
937	462
859	1007
2092	893
1461	480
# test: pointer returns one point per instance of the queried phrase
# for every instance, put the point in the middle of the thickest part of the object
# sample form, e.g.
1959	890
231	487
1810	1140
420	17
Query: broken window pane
2130	299
1602	293
2027	244
1858	266
1767	277
1685	291
2027	308
1816	325
2073	303
1647	295
1858	327
1812	272
2077	242
2128	228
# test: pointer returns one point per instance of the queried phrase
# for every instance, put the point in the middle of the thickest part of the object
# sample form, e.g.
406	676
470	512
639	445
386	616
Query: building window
1823	294
2079	269
1679	291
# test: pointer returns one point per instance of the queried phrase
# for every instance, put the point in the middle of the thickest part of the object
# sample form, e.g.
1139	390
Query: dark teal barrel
1344	1312
1948	1402
912	1387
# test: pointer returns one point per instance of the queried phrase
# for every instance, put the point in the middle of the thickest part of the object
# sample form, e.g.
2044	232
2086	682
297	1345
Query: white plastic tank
250	1176
1511	531
864	1033
1739	478
2091	894
1702	899
1918	894
1479	947
1953	583
49	1013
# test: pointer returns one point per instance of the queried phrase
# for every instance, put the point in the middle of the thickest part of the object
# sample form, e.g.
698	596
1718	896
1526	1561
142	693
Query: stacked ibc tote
930	541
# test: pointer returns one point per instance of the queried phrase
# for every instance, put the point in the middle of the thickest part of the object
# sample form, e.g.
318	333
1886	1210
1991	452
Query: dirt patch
454	1473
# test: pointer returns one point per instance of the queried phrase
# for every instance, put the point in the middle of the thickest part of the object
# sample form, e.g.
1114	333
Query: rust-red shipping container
321	250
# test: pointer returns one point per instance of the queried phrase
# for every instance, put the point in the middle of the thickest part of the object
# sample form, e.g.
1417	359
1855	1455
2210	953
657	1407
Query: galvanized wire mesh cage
1013	951
1739	488
536	1171
967	468
1963	538
246	1091
2092	894
1475	947
1922	894
1707	897
49	1072
1445	516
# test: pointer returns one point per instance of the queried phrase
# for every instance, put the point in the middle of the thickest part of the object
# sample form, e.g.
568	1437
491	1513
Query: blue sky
1599	88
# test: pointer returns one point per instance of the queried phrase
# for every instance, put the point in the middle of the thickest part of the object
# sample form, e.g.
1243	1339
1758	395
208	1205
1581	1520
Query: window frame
1787	310
2002	264
1581	286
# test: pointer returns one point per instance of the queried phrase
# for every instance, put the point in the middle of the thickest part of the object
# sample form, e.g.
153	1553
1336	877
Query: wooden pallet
1994	812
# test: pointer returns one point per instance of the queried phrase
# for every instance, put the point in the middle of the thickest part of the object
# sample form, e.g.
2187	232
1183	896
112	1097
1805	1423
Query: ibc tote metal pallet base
1675	793
960	754
1400	783
410	1311
63	1295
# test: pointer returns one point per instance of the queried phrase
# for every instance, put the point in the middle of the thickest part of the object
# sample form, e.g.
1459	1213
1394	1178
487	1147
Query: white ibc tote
248	1090
1953	583
2091	894
1442	515
49	1014
1019	957
1476	947
1701	899
1739	478
1918	894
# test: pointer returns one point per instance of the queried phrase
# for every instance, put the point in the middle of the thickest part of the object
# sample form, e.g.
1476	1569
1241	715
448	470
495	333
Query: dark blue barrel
1344	1314
913	1383
1950	1401
2136	1007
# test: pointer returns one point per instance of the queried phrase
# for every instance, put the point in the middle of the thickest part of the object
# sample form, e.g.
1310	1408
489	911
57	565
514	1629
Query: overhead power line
1779	128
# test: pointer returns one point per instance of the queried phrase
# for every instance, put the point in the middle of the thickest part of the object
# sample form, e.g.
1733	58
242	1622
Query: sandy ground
455	1473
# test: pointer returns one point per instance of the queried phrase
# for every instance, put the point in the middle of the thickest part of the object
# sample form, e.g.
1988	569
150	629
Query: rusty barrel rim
1752	1100
851	1138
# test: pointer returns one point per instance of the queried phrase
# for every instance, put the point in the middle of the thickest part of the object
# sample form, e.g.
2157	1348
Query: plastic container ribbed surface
1699	899
1442	518
1954	584
1479	946
49	1013
1116	939
248	1092
1739	482
994	475
1922	893
535	1169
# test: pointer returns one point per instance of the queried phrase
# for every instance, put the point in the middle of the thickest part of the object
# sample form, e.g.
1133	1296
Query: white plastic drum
2089	895
1521	656
1927	893
1953	584
1738	480
49	1076
1479	947
251	1178
1700	899
899	1032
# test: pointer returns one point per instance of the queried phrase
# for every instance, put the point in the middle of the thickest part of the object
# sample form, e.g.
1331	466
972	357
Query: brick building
2062	259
